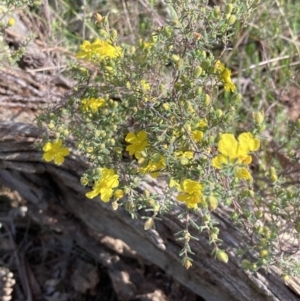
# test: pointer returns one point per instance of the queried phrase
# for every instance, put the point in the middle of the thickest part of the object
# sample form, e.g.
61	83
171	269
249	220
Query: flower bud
51	126
119	193
198	91
217	12
285	277
99	18
175	58
197	71
232	20
166	106
11	22
221	255
205	64
212	202
263	253
266	232
219	113
258	117
273	174
103	33
102	133
228	8
84	181
207	100
187	263
114	34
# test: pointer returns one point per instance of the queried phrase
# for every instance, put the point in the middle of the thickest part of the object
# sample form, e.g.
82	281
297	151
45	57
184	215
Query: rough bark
40	183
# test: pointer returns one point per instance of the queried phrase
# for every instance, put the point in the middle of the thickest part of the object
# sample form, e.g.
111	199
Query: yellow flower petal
48	157
228	145
242	173
246	160
256	144
106	195
47	147
58	159
92	194
65	152
191	200
191	186
219	161
142	135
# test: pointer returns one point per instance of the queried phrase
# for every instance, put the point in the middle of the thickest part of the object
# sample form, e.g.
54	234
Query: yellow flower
55	151
154	167
233	151
145	85
224	75
191	193
197	135
92	104
98	50
105	185
138	143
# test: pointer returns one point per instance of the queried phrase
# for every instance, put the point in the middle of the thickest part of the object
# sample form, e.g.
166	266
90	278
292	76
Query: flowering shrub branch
156	108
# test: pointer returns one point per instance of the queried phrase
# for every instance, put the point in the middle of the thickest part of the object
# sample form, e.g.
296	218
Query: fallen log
40	183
